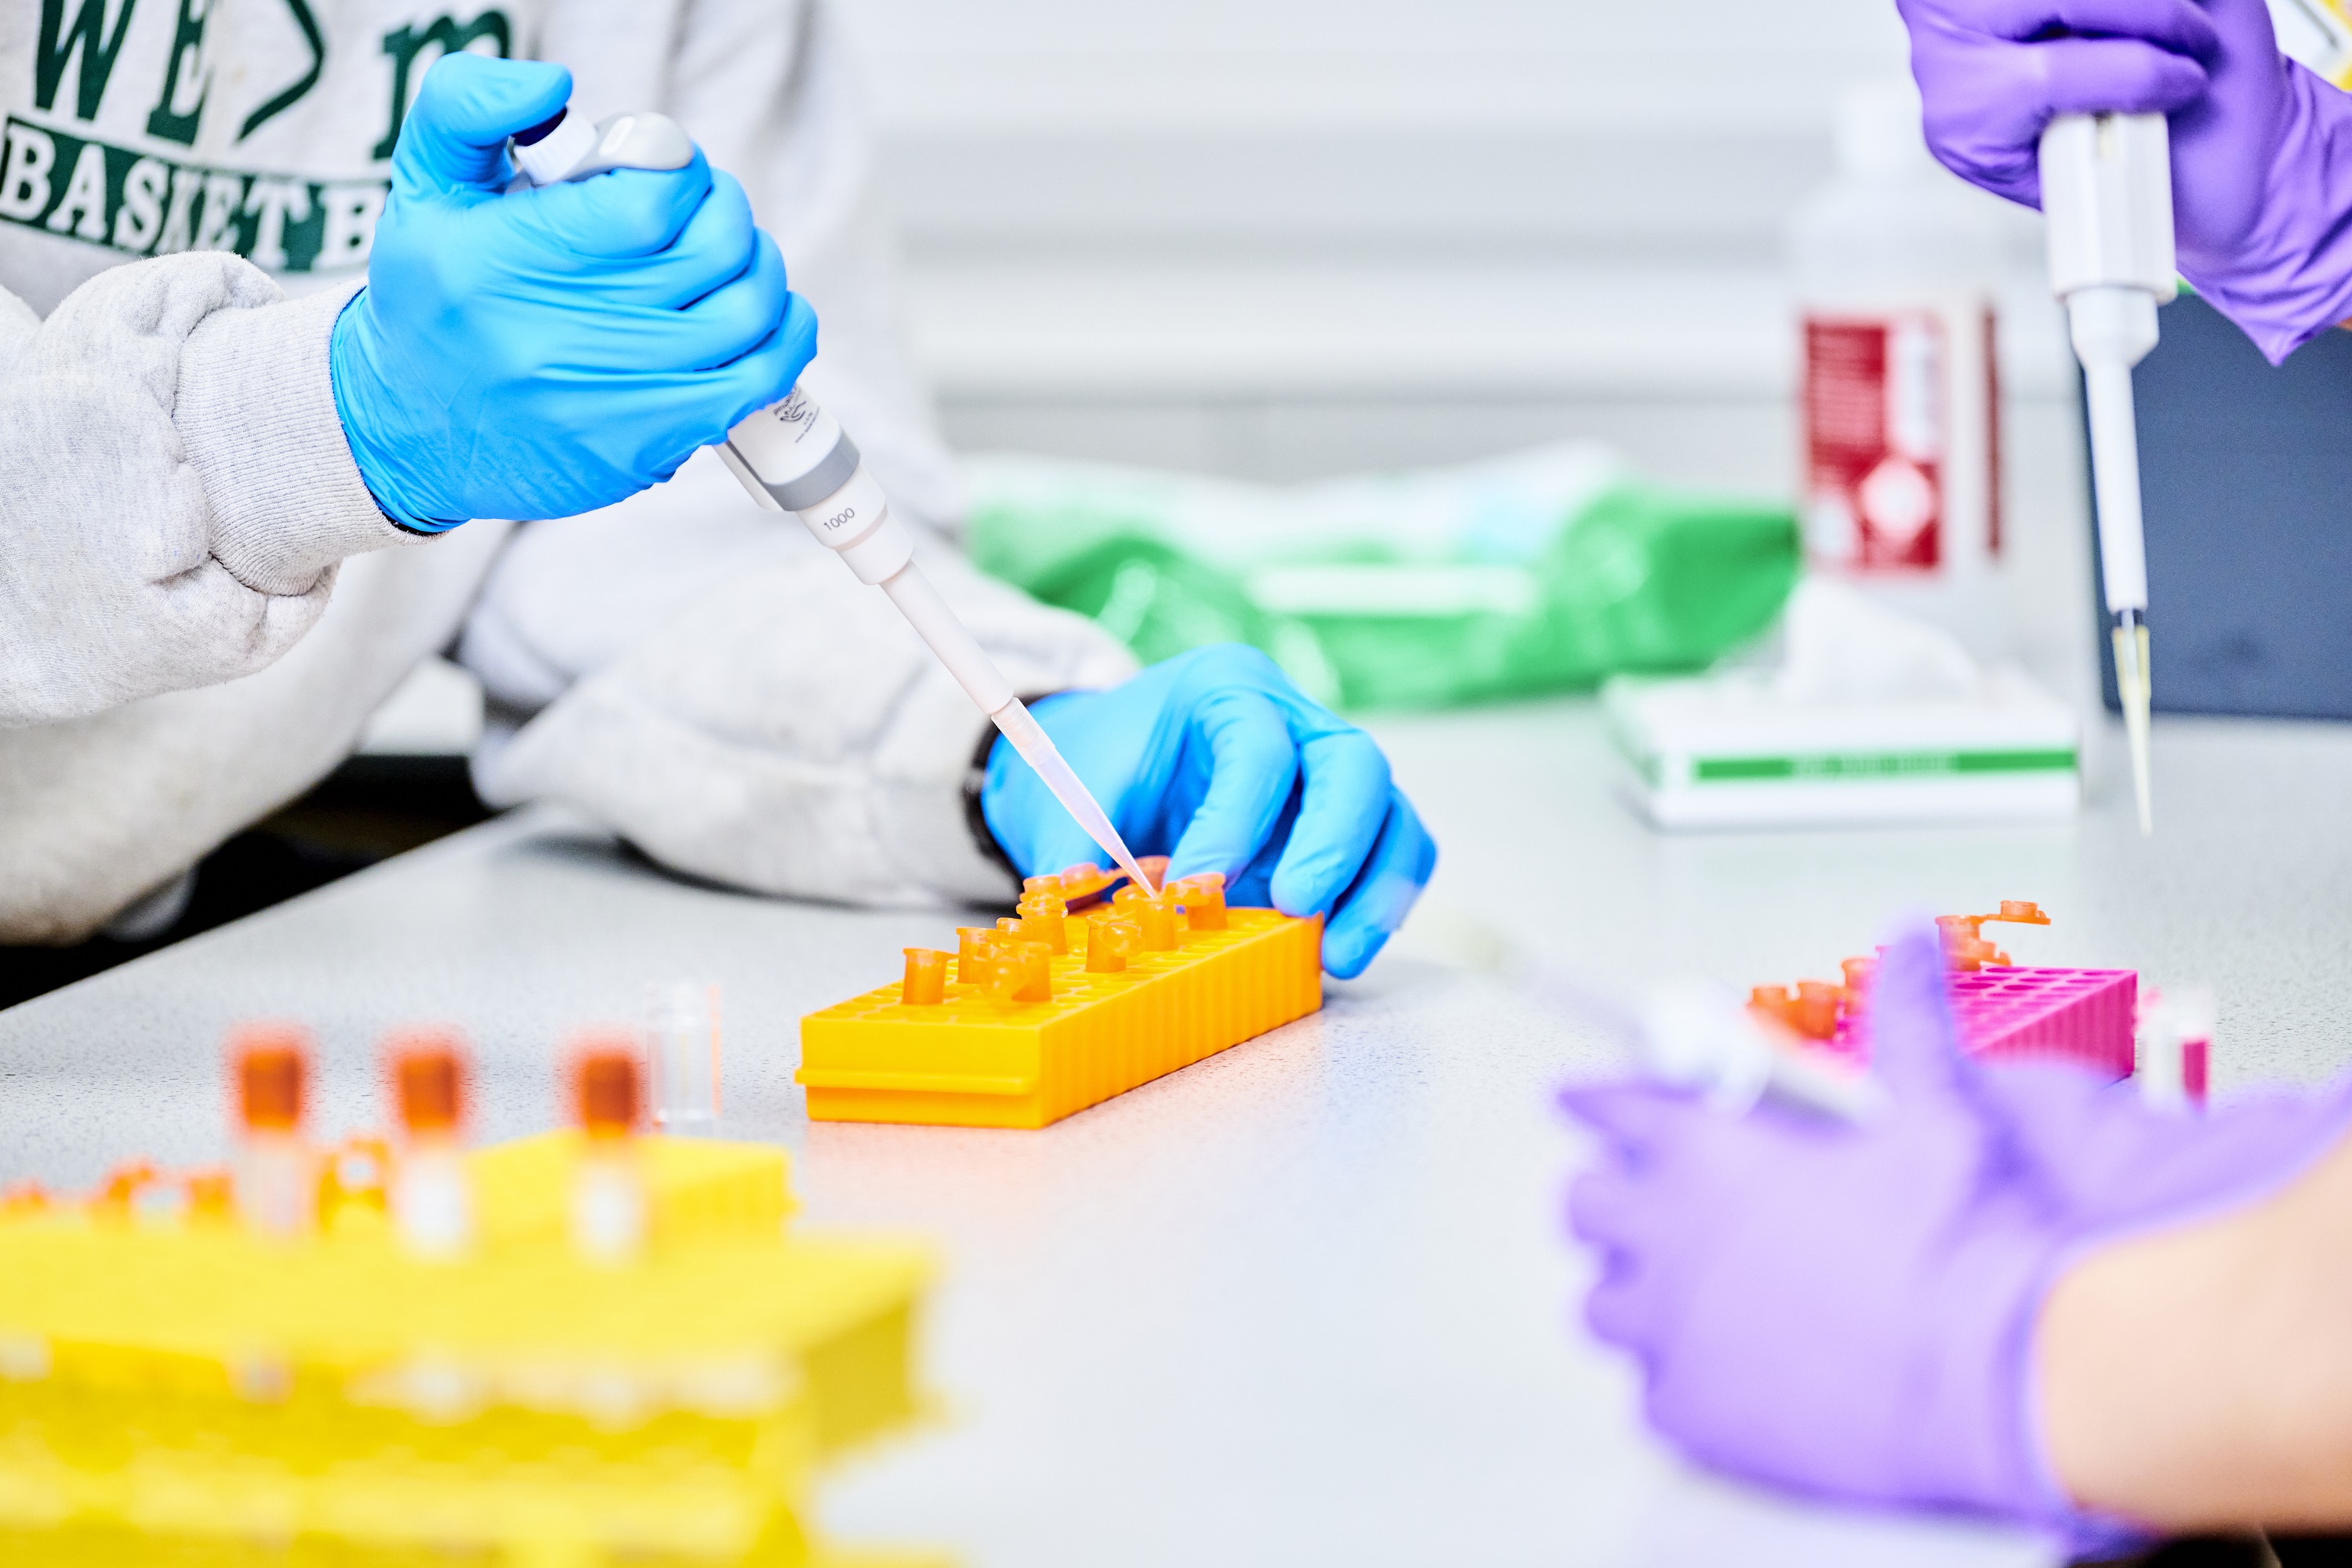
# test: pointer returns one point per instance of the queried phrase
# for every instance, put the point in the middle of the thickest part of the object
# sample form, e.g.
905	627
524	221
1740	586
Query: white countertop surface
1307	1301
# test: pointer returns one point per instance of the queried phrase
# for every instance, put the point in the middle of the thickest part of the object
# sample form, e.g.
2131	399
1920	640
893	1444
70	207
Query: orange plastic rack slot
1028	1031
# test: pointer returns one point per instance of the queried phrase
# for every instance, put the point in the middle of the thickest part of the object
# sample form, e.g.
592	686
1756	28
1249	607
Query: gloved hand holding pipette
2262	185
1861	1310
545	355
2147	131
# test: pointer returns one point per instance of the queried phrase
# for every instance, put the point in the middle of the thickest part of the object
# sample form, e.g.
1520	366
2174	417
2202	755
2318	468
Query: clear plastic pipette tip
2132	688
1037	749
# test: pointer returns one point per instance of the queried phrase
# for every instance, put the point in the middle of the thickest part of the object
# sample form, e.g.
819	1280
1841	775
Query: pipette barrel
2106	193
2113	328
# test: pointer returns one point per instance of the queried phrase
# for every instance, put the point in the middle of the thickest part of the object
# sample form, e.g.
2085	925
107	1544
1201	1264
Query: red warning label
1876	430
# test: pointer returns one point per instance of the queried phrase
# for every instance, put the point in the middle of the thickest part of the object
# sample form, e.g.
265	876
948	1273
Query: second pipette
2106	193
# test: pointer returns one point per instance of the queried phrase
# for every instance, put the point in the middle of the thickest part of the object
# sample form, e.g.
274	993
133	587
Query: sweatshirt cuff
255	412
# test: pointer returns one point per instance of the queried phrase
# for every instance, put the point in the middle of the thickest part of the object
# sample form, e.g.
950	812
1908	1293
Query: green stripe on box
1879	765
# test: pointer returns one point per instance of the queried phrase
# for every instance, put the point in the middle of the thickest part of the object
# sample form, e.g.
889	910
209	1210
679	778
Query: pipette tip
2132	688
1028	737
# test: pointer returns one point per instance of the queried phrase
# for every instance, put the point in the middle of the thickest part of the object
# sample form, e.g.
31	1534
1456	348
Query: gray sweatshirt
198	608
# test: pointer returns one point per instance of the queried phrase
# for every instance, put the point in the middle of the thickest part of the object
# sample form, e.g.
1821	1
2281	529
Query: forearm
97	811
2201	1376
183	491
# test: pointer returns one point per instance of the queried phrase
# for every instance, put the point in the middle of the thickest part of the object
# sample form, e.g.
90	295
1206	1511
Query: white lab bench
1309	1301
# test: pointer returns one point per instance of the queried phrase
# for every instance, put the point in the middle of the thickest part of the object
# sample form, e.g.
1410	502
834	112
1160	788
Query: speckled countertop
1306	1301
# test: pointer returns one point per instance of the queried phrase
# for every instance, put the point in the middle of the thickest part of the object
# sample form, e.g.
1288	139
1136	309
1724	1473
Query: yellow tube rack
973	1060
190	1391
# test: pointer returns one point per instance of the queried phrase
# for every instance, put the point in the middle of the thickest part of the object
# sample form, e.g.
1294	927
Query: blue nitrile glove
550	352
1214	759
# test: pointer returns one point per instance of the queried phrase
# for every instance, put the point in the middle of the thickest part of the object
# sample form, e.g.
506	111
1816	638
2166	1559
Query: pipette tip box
973	1061
1726	751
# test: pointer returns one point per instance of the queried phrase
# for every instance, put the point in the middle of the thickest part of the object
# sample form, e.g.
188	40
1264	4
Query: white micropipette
794	457
2107	192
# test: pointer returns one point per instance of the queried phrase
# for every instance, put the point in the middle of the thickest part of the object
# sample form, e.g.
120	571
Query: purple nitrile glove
2261	150
1848	1310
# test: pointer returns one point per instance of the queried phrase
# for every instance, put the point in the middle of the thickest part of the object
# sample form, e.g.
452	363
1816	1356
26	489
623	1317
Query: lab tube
1155	917
1110	942
926	985
682	1038
976	954
432	1199
609	1218
1203	898
2176	1042
1815	1011
1043	917
1024	973
276	1175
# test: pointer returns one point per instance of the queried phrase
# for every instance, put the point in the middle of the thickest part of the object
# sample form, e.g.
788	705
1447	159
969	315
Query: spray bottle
1897	264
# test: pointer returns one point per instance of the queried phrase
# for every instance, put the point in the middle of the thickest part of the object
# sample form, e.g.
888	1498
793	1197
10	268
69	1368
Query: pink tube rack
2011	1014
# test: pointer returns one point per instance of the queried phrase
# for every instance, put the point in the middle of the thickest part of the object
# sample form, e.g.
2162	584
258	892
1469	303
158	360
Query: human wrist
349	363
2195	1376
257	421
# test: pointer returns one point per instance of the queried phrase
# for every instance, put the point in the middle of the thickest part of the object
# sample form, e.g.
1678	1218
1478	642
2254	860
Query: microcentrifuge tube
277	1178
608	1199
432	1199
682	1032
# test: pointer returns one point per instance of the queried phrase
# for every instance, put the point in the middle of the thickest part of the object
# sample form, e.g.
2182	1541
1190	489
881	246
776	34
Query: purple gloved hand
1849	1310
2261	150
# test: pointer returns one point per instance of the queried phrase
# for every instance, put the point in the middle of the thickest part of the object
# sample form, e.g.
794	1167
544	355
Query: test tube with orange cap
608	1197
432	1201
276	1177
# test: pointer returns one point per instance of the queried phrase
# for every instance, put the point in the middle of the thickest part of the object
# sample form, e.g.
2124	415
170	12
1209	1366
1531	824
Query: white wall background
1279	237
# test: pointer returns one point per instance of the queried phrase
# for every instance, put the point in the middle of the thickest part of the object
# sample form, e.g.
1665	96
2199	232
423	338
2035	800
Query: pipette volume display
2106	193
794	457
